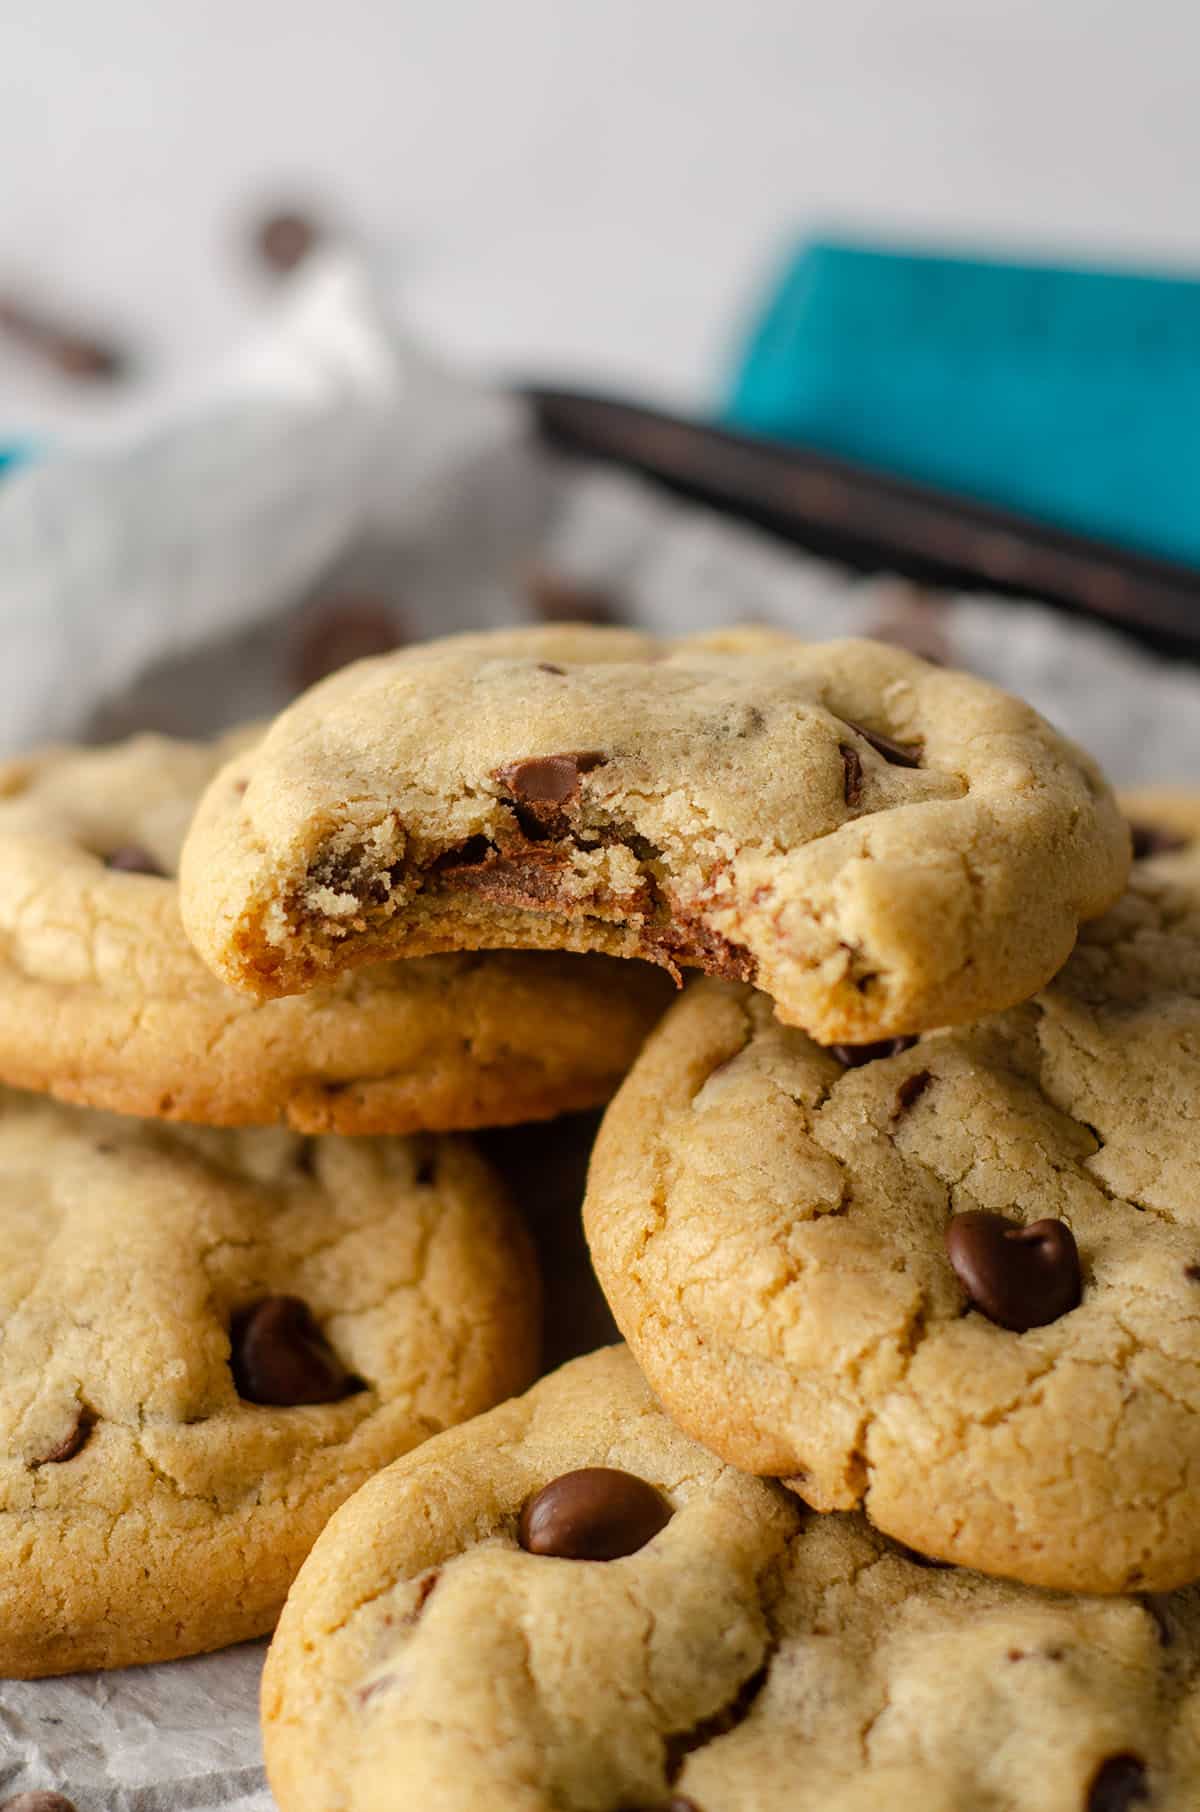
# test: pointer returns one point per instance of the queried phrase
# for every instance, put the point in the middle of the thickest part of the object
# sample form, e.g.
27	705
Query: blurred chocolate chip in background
545	1170
340	627
914	618
284	237
555	598
82	356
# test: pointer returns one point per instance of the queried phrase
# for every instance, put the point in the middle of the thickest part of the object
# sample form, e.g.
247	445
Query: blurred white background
563	188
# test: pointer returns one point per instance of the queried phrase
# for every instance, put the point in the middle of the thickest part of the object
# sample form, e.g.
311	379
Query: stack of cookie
891	1500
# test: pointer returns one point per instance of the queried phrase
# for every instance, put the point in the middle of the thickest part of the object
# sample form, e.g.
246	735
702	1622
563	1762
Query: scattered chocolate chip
284	240
548	779
596	1513
899	754
1154	840
1118	1783
852	777
40	1800
349	626
916	621
281	1357
1019	1277
557	599
71	1444
132	859
911	1089
853	1056
76	355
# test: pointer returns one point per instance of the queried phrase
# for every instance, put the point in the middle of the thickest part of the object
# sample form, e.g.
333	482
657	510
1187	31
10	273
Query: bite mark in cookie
880	846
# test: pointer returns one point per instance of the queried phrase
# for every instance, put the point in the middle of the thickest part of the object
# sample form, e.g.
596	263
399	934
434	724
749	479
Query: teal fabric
1069	394
11	456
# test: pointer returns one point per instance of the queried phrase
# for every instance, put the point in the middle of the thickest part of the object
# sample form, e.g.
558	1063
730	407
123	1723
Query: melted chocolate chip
1118	1783
898	754
281	1357
71	1444
911	1089
38	1801
132	859
852	776
1019	1277
853	1056
596	1513
1154	840
548	780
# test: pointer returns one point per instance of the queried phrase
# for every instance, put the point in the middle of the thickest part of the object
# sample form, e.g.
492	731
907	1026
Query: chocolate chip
549	667
76	355
852	777
1154	840
899	754
1192	1273
71	1444
596	1513
132	859
1019	1277
281	1357
1118	1783
548	779
911	1089
40	1800
284	240
557	599
349	626
916	621
853	1056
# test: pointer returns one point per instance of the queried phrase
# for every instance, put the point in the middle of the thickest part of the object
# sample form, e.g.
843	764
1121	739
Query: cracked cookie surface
103	1000
819	1257
209	1339
746	1656
879	844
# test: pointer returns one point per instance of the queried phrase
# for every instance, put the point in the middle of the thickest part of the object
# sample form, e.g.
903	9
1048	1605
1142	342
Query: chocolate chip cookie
879	844
103	1001
209	1340
566	1606
954	1280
